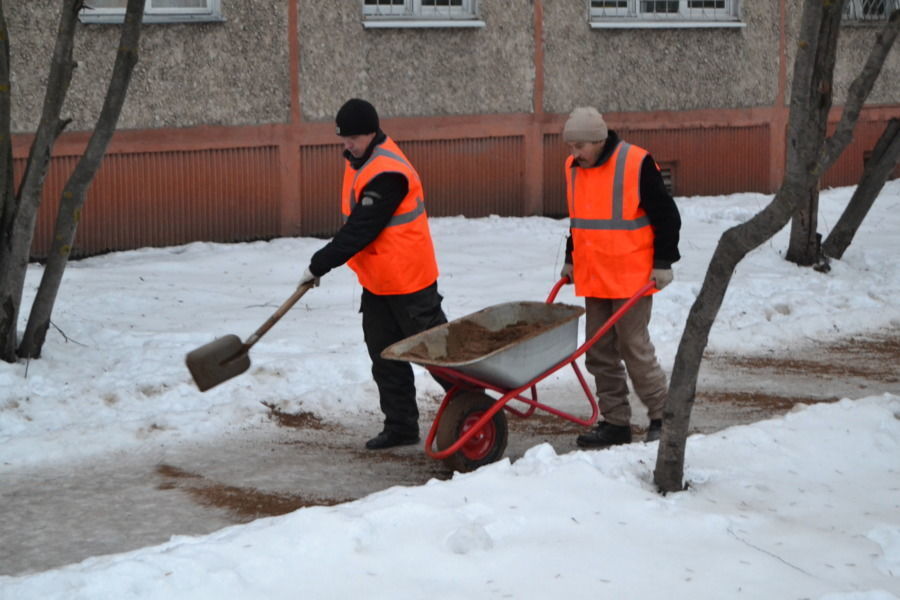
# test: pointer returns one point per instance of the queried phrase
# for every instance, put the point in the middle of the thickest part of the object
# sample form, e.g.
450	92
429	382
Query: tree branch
75	190
859	91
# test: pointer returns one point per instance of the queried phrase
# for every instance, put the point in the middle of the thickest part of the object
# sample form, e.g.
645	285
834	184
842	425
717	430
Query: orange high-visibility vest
401	259
612	239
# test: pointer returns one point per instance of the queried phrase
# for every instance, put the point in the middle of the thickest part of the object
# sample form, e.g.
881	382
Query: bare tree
885	157
6	155
19	212
73	195
809	155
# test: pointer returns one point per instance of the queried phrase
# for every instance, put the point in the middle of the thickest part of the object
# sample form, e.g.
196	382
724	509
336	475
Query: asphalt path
57	515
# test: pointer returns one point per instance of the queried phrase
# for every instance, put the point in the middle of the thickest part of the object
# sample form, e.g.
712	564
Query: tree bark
16	249
809	155
733	246
73	195
7	198
884	159
802	248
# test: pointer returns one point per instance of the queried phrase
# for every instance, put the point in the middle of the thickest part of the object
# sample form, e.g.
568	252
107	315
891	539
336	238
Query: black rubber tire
486	446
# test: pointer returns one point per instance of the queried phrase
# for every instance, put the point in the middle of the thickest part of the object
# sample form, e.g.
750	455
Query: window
155	11
421	13
664	13
870	10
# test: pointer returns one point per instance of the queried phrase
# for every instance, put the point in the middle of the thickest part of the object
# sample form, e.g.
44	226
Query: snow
804	506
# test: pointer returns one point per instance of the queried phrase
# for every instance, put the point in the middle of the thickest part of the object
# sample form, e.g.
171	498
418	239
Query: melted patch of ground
875	357
242	503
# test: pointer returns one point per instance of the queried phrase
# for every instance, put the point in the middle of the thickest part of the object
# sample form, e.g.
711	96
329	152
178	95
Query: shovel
227	357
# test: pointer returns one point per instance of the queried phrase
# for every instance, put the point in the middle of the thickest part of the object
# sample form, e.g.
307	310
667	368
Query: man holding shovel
385	239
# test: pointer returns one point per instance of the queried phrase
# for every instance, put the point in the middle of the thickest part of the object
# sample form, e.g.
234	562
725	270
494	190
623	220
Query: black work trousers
389	319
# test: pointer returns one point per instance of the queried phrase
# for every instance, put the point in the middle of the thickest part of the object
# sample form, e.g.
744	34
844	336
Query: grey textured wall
231	73
854	45
659	69
416	72
237	72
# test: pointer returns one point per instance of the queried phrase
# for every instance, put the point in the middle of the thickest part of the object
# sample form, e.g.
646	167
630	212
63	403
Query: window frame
412	13
211	13
632	16
854	12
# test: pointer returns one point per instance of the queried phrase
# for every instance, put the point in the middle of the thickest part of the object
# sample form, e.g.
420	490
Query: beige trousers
627	342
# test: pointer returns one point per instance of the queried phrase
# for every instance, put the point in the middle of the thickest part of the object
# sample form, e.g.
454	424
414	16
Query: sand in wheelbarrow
467	340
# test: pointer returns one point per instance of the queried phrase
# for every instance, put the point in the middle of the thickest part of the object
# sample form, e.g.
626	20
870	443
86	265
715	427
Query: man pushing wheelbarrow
624	230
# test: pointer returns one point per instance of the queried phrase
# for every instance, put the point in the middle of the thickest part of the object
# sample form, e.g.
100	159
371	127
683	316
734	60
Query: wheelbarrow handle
553	292
290	302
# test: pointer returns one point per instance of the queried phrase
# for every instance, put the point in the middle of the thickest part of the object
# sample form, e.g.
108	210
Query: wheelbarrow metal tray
553	338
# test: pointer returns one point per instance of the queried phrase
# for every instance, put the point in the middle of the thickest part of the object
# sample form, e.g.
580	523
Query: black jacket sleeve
662	213
376	205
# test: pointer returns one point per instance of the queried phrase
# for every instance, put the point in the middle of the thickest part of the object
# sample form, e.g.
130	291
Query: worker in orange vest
624	230
385	239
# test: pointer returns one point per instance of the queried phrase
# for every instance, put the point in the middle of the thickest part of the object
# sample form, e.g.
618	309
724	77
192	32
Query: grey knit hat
585	124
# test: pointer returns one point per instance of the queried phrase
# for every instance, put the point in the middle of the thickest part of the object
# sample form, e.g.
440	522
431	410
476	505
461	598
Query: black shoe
604	435
654	430
389	439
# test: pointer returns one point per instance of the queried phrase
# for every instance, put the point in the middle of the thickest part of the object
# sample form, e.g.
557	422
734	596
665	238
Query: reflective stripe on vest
396	219
611	235
400	260
617	222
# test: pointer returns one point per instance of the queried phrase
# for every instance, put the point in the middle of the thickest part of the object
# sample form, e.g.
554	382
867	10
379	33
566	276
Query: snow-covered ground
803	506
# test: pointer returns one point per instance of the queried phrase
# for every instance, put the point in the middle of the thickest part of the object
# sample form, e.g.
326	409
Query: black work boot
604	435
654	430
389	439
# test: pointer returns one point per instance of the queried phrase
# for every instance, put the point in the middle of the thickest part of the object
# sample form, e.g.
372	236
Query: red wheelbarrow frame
464	381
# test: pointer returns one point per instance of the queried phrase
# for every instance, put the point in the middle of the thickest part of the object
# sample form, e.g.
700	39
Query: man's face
586	153
356	144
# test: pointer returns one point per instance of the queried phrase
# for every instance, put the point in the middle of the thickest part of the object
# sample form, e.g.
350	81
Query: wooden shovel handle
277	315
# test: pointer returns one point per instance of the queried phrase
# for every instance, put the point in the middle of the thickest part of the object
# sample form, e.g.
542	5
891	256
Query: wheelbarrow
519	345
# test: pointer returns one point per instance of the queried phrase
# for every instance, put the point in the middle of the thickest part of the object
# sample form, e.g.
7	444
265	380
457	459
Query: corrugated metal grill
321	169
848	168
704	160
163	199
473	177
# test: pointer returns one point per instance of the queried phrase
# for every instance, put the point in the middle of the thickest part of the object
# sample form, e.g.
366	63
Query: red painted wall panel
167	198
703	161
472	177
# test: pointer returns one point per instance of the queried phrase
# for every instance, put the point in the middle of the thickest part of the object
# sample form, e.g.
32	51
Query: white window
155	11
870	10
421	13
664	13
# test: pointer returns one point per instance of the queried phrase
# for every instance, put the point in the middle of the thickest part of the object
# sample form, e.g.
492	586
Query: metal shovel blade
217	361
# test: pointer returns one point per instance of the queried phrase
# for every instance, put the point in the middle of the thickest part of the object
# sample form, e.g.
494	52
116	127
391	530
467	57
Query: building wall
416	72
231	73
227	133
636	70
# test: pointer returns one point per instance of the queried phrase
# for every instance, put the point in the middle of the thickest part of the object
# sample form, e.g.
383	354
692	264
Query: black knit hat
356	117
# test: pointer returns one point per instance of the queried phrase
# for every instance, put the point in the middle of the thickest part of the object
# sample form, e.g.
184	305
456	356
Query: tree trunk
73	195
809	155
803	248
7	197
21	218
881	164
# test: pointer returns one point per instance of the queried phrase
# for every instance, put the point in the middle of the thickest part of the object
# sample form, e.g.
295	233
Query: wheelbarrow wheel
485	446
